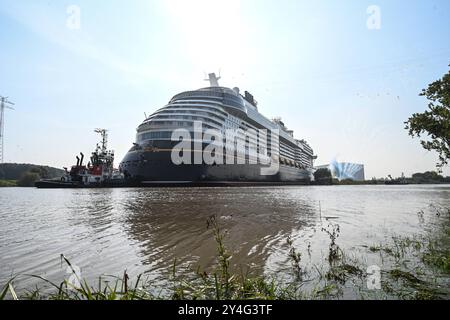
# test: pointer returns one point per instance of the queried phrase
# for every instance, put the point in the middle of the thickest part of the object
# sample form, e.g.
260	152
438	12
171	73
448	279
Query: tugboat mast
99	172
104	134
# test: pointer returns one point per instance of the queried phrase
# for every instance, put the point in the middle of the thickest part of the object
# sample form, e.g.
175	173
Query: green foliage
14	171
28	179
334	253
8	183
429	177
350	182
323	176
41	171
435	122
296	259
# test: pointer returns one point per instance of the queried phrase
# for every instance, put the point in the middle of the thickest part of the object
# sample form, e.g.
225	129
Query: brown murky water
105	231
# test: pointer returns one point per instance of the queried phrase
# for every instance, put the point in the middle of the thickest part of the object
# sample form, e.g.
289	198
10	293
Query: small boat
99	172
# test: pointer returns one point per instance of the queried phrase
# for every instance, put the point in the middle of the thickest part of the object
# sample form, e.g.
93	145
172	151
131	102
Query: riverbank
219	184
410	267
8	183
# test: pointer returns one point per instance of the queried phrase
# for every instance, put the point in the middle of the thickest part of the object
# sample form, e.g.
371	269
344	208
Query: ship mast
213	80
104	134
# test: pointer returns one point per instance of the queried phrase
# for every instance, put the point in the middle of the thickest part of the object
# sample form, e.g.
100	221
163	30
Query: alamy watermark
75	276
228	147
73	21
373	277
374	19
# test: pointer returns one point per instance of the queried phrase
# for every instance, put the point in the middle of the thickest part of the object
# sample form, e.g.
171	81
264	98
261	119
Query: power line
5	104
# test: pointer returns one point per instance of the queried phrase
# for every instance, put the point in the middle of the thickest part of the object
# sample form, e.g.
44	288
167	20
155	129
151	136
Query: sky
344	75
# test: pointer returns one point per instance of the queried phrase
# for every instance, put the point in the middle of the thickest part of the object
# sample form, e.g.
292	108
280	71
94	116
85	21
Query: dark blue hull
156	165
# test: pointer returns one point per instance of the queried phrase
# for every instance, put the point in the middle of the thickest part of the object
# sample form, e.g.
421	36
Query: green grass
8	183
410	270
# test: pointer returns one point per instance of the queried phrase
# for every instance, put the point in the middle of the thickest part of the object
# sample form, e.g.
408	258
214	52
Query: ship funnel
78	161
82	157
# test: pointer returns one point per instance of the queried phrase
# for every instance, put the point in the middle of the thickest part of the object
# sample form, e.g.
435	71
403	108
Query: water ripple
105	231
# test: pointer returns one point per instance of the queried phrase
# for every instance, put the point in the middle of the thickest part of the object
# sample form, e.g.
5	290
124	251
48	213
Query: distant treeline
26	174
428	177
324	177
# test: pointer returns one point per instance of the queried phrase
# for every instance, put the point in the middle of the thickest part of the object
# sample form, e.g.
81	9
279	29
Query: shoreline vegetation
29	181
415	267
324	177
8	183
25	175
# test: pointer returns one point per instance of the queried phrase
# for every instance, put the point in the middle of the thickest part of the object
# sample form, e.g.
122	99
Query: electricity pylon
5	104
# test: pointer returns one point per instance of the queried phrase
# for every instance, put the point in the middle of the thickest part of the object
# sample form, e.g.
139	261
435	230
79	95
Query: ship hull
151	166
58	184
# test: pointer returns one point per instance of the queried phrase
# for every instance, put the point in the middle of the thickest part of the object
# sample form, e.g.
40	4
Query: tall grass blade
5	289
13	292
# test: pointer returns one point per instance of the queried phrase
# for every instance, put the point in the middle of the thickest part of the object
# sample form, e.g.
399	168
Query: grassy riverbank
415	267
8	183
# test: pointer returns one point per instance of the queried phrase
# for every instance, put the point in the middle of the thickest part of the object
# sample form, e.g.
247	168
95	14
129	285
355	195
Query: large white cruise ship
246	146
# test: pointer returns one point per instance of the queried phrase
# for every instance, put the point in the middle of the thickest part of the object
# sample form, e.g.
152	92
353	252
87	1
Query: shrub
28	179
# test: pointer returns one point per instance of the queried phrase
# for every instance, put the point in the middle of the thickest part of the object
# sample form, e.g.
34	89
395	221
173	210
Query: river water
105	231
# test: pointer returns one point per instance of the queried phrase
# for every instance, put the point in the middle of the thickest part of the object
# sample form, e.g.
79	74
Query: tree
434	122
323	176
28	179
427	177
41	171
15	171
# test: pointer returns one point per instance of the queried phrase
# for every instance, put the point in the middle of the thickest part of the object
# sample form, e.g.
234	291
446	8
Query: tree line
25	175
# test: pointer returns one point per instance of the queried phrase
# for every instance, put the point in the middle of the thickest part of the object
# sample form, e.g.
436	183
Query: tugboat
99	172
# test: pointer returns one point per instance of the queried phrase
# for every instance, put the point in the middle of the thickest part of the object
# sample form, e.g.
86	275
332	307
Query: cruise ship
225	139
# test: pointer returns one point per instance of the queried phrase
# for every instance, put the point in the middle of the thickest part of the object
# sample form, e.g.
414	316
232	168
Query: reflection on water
105	231
171	224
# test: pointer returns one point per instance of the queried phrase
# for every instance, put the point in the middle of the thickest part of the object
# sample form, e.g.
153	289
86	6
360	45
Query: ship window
154	135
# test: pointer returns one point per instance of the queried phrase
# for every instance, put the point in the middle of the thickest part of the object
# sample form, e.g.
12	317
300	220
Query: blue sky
345	88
